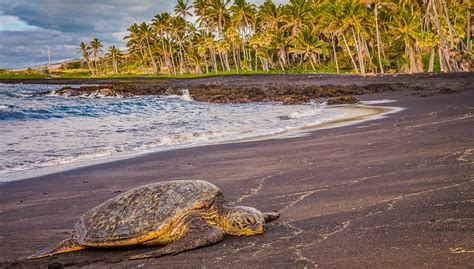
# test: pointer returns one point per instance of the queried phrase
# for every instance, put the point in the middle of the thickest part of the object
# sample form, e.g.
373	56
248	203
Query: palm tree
147	35
296	15
194	59
280	40
269	19
178	28
182	8
405	27
211	45
218	12
269	16
261	43
86	53
243	16
160	25
135	44
114	55
309	46
202	12
223	47
96	46
244	20
200	43
234	39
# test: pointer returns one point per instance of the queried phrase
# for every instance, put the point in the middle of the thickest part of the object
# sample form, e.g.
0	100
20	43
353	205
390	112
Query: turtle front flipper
199	234
64	246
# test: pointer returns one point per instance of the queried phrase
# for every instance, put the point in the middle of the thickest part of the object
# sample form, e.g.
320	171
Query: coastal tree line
361	36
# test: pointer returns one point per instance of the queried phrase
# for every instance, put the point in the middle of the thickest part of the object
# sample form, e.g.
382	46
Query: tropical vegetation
357	36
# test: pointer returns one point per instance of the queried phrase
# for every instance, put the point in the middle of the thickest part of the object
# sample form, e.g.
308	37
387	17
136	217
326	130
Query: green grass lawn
22	76
81	74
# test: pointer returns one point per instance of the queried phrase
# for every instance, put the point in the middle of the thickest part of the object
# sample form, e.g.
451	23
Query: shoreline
395	192
286	88
355	114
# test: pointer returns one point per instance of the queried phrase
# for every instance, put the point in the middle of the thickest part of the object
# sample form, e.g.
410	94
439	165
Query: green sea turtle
178	215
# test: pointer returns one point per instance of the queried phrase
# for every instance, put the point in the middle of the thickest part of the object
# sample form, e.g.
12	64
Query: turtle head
242	220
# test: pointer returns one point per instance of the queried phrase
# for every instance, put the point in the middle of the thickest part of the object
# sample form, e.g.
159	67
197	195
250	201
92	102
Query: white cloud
13	23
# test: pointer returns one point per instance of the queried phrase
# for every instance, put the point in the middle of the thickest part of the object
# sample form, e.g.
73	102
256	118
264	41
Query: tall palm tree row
359	36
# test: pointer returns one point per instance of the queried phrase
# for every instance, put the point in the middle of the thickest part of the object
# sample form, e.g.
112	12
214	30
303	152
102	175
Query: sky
28	28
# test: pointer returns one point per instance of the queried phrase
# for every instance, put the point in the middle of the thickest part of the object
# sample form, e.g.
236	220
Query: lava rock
342	100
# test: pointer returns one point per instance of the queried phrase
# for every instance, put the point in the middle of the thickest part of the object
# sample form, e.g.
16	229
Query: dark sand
394	192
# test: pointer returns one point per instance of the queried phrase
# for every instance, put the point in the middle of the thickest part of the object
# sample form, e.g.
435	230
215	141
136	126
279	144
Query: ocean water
50	131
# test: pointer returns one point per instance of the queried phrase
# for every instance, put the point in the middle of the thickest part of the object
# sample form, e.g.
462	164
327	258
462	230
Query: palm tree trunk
181	59
90	67
311	62
256	62
378	36
443	46
468	31
411	58
207	67
249	57
281	59
432	59
226	58
418	58
205	62
115	66
142	61
222	61
235	59
350	53
359	52
168	65
172	58
442	60
151	56
214	61
334	53
366	49
264	65
450	27
99	66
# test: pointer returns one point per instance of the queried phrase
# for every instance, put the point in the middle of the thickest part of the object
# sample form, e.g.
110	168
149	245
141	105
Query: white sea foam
4	107
375	102
305	113
183	96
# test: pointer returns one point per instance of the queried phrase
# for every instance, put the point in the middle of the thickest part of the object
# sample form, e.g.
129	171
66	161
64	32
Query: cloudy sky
28	28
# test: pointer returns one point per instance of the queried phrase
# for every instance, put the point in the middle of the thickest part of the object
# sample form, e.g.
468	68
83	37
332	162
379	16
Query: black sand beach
393	192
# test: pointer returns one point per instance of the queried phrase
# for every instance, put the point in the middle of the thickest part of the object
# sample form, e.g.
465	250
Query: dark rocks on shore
216	94
342	100
286	89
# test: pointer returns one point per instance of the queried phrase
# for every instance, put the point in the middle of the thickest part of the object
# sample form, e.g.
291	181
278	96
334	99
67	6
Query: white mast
49	58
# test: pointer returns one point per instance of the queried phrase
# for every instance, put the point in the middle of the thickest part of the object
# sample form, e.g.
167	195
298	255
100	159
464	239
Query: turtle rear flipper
64	246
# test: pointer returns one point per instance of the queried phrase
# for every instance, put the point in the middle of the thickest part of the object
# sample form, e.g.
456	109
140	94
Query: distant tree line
361	36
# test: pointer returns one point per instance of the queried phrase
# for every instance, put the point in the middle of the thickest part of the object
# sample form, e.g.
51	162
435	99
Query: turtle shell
138	215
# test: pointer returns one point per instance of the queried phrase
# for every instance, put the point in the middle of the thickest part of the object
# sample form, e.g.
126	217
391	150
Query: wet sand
392	192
